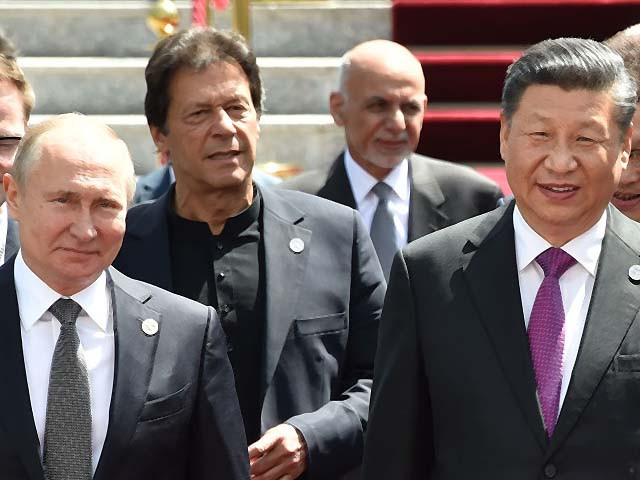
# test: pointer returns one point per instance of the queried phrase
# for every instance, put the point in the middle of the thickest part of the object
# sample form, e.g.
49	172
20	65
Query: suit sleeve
335	432
399	441
218	443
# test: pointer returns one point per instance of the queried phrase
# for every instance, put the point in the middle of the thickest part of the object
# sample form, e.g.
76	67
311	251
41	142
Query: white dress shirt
576	285
367	201
40	332
4	225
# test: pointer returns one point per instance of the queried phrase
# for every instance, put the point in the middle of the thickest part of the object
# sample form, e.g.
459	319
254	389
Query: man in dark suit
16	103
294	277
380	103
103	376
510	343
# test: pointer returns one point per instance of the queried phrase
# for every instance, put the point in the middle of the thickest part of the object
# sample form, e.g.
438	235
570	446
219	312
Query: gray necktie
67	433
383	232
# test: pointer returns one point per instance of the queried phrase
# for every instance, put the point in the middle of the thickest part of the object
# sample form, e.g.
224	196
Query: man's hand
281	454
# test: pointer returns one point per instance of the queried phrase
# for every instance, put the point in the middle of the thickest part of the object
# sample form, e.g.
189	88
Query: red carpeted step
498	175
465	76
508	22
461	135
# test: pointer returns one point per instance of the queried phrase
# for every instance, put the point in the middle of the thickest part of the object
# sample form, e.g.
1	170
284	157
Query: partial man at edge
104	377
627	197
401	195
294	277
16	103
510	343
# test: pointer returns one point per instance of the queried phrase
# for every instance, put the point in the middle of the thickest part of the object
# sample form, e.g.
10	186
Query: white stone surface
116	86
118	29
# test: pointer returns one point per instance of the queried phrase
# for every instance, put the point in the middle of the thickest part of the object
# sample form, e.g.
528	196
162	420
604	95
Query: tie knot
65	310
382	190
555	261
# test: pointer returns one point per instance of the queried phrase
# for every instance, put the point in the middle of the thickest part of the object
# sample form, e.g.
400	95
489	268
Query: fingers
263	445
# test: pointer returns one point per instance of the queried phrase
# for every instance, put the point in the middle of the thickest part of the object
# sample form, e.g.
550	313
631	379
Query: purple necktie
546	333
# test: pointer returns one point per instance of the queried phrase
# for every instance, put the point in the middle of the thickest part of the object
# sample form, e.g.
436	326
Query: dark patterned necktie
546	334
383	232
67	434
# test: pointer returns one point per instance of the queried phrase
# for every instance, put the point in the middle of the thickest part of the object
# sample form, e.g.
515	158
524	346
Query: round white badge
150	326
634	273
296	245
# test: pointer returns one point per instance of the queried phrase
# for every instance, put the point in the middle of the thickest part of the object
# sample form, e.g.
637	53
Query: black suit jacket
174	414
442	193
455	394
322	310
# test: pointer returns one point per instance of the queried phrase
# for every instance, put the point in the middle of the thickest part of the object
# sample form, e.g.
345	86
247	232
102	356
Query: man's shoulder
449	174
451	240
307	203
310	181
158	299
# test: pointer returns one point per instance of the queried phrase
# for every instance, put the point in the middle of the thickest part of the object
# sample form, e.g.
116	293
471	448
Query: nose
83	227
560	159
223	124
396	121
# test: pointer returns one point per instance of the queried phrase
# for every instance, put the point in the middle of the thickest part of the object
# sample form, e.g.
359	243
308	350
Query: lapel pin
634	273
296	245
150	327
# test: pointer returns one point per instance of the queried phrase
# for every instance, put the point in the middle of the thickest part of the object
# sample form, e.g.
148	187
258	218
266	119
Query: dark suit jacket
154	184
442	193
173	414
322	311
12	244
455	394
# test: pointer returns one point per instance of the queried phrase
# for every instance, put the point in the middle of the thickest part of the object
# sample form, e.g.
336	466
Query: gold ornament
163	18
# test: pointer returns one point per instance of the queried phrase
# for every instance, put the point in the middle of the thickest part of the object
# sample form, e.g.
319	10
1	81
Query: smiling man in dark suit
402	196
103	377
294	277
510	343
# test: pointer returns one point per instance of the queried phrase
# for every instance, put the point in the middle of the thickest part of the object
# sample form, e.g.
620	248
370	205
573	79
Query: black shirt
226	271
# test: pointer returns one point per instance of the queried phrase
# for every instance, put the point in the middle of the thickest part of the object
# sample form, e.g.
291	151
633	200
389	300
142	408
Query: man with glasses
16	102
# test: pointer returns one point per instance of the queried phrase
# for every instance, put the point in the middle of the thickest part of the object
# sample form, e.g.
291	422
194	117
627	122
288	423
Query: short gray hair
29	150
572	64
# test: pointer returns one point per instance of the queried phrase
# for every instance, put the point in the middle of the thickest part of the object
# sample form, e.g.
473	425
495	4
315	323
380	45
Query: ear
159	138
626	147
336	105
12	195
504	136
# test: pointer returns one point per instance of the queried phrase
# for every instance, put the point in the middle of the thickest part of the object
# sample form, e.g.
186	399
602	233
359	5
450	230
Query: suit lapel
426	200
284	270
16	417
614	306
12	243
491	274
337	186
134	352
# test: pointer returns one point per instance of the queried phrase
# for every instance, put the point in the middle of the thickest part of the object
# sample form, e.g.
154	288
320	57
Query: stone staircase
89	57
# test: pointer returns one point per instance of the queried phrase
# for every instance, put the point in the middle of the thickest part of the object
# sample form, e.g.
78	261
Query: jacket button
550	471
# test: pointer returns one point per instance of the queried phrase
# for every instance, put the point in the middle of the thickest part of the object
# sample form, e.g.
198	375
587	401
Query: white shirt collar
585	248
35	296
362	182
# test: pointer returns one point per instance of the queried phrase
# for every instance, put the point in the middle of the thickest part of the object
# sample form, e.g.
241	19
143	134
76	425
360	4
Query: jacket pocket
321	325
627	363
165	406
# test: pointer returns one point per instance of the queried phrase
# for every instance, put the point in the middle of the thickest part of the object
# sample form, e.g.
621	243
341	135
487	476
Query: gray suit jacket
12	244
442	193
321	319
455	393
173	415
